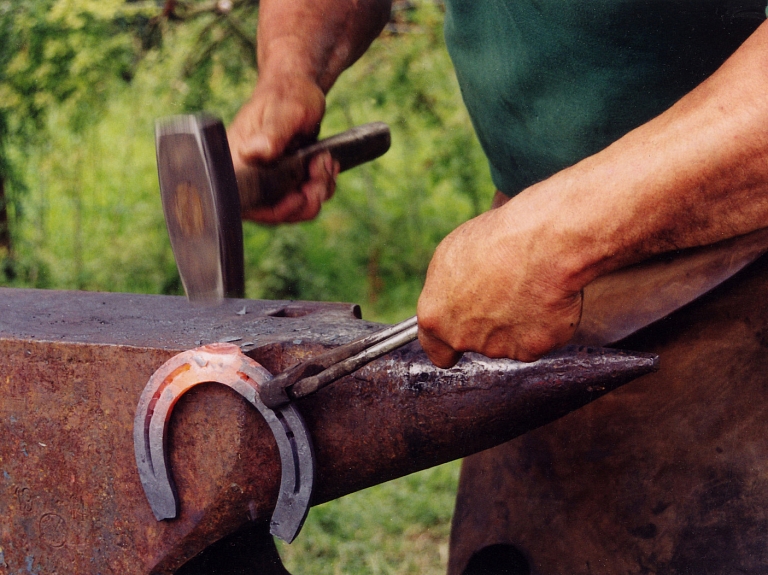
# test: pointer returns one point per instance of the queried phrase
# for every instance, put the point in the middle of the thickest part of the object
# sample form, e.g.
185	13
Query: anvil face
74	365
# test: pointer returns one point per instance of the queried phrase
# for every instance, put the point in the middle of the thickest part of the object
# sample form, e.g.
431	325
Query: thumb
260	135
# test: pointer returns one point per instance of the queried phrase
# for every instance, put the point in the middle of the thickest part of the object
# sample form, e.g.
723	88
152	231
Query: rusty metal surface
249	551
73	366
666	475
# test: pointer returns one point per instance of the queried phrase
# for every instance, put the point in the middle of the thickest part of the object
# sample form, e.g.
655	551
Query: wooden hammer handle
266	185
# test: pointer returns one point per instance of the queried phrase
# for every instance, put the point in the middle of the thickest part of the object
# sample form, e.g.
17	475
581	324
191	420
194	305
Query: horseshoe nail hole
498	559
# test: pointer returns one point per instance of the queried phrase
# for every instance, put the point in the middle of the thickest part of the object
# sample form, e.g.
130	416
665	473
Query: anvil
74	365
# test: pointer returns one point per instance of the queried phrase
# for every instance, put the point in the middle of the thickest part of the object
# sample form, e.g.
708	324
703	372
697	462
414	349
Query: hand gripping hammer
203	196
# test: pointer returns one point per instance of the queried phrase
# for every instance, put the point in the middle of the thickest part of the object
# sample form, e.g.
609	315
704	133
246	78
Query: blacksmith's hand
495	286
285	109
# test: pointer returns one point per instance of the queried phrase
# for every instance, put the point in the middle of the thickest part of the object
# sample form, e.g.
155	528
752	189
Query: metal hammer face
201	205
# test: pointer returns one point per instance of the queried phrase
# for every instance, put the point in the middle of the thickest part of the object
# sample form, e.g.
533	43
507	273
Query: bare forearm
508	283
302	48
695	175
317	38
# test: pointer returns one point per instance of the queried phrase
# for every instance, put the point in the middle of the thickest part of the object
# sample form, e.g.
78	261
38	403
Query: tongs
314	374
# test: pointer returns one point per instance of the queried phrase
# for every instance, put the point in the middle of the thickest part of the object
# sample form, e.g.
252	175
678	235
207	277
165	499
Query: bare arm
508	284
303	47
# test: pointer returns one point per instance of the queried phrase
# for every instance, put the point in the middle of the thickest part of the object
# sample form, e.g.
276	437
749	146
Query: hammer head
201	205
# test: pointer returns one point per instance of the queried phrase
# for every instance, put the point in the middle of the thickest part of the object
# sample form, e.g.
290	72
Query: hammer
203	197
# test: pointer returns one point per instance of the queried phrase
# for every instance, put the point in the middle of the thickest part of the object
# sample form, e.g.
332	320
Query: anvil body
72	368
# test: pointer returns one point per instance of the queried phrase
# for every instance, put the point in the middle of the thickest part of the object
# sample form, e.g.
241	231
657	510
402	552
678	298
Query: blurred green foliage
81	84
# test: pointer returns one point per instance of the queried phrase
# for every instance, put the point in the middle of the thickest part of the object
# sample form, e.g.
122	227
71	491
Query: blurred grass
396	528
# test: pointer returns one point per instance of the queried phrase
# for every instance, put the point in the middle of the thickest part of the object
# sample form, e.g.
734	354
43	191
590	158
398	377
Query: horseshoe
226	364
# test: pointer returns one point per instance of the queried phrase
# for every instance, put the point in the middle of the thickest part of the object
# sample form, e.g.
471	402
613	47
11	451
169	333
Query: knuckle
535	346
428	322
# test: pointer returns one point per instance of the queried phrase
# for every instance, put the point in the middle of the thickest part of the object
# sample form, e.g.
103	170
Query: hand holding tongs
314	374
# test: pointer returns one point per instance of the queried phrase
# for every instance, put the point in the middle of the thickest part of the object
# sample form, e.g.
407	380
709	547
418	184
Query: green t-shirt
549	82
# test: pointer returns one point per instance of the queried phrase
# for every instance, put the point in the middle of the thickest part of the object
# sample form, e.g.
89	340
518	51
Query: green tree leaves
64	52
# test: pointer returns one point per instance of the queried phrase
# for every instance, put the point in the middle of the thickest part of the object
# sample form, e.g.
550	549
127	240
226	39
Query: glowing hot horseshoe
226	364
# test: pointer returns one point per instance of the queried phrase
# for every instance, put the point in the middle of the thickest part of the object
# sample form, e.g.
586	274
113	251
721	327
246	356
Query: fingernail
257	146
